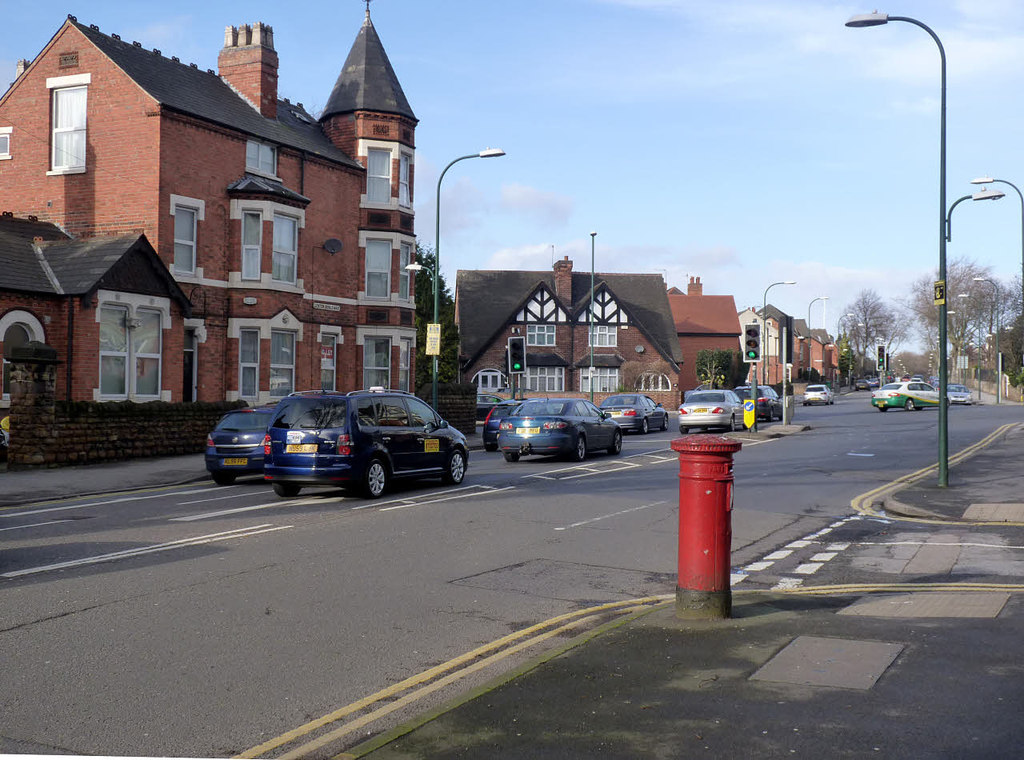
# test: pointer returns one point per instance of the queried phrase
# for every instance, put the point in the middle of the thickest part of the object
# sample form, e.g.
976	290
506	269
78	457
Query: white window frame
368	381
378	184
138	357
132	357
405	364
329	366
607	379
283	254
540	335
653	381
252	255
606	336
76	164
404	259
404	187
5	143
545	379
108	354
261	158
192	245
282	369
252	366
377	244
487	380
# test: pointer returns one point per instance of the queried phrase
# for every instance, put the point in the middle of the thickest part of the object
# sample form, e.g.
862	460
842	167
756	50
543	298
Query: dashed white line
613	514
809	568
780	554
34	525
823	556
787	583
755	567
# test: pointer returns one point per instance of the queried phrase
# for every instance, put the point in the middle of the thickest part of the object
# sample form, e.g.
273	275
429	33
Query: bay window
286	243
377	362
378	176
378	268
252	244
282	363
249	364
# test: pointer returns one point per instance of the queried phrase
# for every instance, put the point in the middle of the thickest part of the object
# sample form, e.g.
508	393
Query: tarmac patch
932	604
841	663
995	512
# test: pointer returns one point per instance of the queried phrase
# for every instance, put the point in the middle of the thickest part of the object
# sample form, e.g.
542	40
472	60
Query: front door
188	367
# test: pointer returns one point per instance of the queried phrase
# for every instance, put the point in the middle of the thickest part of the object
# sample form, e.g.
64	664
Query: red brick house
702	322
288	234
634	338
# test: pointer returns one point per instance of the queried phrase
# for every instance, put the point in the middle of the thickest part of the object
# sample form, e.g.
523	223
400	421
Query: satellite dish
332	245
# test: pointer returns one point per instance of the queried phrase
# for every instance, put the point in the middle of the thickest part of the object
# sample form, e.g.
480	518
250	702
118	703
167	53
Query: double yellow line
865	503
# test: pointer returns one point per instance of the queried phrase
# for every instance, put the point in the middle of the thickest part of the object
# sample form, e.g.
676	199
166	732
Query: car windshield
958	389
315	413
706	397
244	422
619	401
892	387
816	388
501	410
542	408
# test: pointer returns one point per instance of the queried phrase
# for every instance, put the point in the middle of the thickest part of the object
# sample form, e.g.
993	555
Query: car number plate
300	448
236	461
616	413
527	431
700	411
431	445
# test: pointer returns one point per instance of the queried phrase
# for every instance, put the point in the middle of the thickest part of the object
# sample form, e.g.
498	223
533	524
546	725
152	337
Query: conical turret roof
367	82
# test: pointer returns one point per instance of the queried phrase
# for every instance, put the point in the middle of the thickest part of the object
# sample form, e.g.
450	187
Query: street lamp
999	358
765	345
486	153
876	19
593	235
823	305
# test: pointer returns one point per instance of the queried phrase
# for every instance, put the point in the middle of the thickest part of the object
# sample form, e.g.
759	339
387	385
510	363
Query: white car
959	394
909	395
818	394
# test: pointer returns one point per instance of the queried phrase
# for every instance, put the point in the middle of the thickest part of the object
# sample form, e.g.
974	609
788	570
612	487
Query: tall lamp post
823	305
989	181
486	153
999	363
593	235
877	19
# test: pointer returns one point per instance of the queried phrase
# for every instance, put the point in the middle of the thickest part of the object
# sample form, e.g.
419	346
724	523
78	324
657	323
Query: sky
744	142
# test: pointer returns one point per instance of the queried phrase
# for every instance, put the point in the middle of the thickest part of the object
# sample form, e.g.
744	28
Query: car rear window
310	413
816	388
244	422
541	408
619	401
892	387
706	397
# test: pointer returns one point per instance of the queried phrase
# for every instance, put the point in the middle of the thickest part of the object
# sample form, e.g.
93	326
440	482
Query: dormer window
261	158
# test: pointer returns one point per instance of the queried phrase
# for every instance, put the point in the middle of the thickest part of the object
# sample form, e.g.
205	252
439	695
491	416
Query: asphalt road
202	621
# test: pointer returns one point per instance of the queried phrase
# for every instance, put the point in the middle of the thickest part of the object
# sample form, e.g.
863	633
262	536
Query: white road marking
801	544
735	578
823	556
837	547
152	549
101	503
780	554
856	454
787	583
809	568
215	498
613	514
446	496
34	525
238	510
755	567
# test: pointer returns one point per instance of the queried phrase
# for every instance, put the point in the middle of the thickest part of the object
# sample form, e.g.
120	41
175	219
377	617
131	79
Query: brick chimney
695	288
563	279
248	62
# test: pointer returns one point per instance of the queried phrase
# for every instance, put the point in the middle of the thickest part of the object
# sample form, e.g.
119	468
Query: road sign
940	292
433	339
749	412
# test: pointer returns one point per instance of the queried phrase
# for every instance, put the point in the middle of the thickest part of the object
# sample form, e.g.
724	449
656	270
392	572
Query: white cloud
541	206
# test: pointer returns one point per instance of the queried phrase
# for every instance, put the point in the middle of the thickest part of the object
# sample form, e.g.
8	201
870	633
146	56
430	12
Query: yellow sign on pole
749	412
940	293
433	339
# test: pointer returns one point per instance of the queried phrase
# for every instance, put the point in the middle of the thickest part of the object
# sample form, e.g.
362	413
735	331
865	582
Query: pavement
917	654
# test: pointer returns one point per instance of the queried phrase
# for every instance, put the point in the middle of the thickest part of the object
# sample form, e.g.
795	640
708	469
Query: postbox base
692	604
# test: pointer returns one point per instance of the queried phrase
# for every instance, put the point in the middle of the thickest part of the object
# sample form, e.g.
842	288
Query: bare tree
874	322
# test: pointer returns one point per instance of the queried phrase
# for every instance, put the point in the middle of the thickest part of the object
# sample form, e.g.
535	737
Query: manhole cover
817	661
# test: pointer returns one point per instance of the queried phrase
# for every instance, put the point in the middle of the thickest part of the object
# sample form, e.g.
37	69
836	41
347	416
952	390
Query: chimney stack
21	68
563	279
248	62
695	288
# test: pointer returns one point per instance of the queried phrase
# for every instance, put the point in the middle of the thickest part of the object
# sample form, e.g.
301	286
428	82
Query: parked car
873	382
362	439
568	426
637	412
818	394
861	384
235	445
494	417
910	396
484	403
707	409
959	394
769	405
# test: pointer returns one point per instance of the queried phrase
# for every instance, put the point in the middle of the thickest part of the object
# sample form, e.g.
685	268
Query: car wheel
579	453
732	424
616	446
511	456
683	430
456	469
644	427
375	479
664	422
909	406
490	447
287	489
223	478
883	409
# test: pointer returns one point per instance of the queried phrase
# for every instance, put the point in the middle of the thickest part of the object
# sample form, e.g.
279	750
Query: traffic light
516	355
752	343
881	358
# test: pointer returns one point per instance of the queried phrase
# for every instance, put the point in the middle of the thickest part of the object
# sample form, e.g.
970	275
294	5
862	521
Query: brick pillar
33	407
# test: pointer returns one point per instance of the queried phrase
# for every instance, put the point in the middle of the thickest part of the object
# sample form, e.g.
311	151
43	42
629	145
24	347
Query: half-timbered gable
542	307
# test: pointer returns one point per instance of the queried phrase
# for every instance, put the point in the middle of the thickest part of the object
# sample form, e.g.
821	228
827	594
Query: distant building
283	237
702	322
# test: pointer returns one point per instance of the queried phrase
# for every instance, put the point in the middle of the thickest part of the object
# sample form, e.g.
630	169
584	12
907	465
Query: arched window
17	334
489	380
653	381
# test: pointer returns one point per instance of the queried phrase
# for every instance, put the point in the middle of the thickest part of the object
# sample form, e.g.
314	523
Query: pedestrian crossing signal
752	343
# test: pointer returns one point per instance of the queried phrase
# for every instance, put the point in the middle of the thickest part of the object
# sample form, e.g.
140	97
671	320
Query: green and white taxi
909	395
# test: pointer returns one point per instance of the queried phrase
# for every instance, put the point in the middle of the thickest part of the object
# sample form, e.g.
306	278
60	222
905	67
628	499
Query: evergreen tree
448	360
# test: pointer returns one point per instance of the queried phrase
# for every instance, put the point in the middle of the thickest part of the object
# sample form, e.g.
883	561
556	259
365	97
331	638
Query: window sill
67	170
5	156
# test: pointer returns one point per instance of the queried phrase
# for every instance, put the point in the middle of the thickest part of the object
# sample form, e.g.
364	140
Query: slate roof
367	82
493	298
704	315
59	265
250	184
200	93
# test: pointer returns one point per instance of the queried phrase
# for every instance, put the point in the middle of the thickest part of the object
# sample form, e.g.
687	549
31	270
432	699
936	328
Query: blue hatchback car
361	439
235	446
569	426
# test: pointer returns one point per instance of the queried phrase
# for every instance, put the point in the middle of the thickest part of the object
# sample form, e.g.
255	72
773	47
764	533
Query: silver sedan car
708	409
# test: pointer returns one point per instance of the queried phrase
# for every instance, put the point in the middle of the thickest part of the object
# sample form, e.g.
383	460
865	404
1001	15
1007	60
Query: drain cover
817	661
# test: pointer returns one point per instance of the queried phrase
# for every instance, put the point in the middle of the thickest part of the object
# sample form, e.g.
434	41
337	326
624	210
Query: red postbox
705	525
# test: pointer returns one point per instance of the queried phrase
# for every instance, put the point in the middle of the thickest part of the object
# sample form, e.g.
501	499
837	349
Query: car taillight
489	413
556	425
266	445
345	445
763	400
683	411
505	425
629	413
209	442
717	410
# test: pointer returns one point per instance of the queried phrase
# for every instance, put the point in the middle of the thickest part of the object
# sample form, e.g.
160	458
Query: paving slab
932	605
820	661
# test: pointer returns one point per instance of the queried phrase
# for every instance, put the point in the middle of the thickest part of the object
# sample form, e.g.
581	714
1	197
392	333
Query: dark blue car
494	417
235	446
570	427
